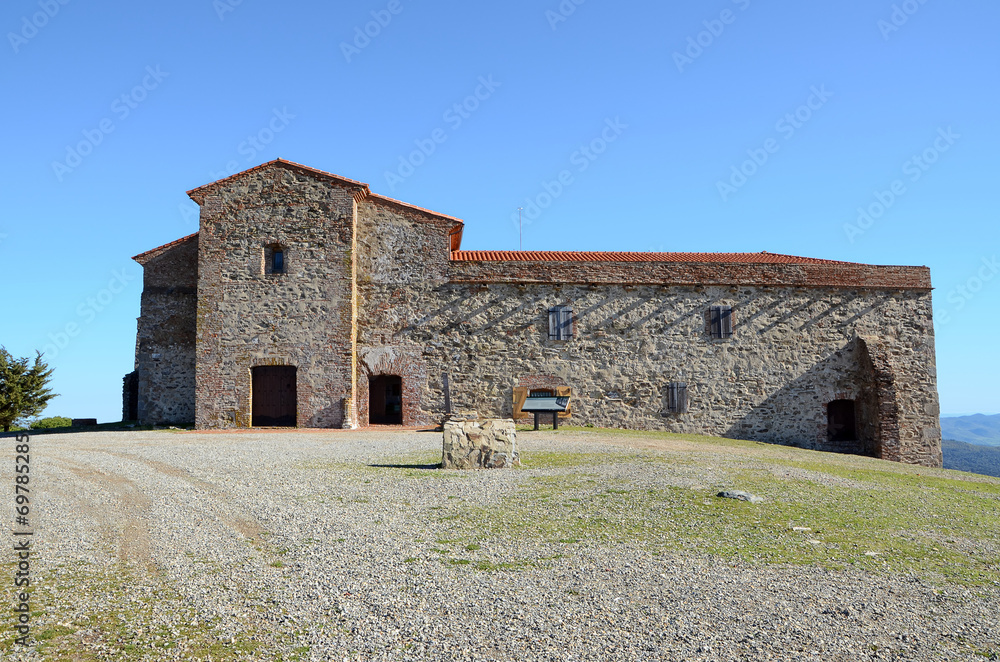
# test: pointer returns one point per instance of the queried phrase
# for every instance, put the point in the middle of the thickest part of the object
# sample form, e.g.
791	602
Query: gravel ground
163	545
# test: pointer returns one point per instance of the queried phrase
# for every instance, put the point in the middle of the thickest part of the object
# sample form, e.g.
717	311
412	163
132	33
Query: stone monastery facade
307	300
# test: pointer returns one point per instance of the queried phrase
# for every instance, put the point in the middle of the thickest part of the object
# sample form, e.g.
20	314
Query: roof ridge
386	198
152	252
762	257
195	193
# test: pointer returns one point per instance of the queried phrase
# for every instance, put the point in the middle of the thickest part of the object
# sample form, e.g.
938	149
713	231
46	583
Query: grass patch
123	613
935	526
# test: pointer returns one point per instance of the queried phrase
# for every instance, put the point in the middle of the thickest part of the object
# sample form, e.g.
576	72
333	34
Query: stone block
474	444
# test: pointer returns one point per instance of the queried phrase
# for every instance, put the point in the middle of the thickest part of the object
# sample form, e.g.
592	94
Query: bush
51	422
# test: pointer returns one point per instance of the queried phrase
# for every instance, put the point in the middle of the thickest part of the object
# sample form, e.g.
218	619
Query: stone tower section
276	290
165	338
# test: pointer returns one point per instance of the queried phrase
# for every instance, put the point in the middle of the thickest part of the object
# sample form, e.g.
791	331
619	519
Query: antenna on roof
519	240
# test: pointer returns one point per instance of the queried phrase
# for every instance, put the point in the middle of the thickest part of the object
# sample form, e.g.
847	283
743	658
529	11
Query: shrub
51	422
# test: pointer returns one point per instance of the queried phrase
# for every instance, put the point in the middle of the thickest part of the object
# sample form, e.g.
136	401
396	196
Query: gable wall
303	318
402	262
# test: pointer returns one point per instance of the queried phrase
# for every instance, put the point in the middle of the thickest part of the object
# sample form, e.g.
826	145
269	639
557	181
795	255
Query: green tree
23	387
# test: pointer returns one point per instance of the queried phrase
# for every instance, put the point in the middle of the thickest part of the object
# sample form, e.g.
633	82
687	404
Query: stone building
307	300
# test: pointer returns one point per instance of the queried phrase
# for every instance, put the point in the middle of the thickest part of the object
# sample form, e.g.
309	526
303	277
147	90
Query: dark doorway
385	400
841	421
274	401
133	397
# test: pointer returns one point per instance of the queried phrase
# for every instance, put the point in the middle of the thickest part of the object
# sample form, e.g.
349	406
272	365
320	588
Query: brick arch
385	360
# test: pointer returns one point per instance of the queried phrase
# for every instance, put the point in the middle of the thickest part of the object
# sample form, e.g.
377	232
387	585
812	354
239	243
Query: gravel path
162	545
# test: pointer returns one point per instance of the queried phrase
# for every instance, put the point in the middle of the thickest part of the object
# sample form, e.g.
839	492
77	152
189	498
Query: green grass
104	602
862	513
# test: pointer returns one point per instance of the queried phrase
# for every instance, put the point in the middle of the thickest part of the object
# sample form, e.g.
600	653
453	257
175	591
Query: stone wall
304	317
792	352
165	347
402	259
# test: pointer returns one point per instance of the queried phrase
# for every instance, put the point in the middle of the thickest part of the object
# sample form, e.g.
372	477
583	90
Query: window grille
721	321
560	323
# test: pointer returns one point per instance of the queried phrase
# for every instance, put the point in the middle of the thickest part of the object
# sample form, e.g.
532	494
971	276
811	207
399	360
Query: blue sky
113	110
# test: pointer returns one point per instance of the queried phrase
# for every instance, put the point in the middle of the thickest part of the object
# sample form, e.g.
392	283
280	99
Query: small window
677	399
560	323
541	393
720	321
274	259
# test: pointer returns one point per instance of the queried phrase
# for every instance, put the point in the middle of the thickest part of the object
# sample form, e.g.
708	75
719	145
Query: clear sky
649	111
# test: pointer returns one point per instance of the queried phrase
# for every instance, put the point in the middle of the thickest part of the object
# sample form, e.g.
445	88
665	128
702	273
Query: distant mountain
970	457
976	429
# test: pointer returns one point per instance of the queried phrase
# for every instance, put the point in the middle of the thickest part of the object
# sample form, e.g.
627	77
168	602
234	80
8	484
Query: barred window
677	400
560	323
720	321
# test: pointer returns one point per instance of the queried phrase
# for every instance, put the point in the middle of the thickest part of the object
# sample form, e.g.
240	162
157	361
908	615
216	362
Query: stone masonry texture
374	286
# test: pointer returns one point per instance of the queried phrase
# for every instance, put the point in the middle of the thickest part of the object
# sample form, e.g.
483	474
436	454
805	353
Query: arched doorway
274	396
385	400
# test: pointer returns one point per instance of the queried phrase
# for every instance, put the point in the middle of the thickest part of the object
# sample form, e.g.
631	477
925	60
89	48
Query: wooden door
274	396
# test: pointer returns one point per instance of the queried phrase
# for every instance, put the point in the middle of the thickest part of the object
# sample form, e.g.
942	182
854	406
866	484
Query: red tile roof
143	258
429	212
198	194
607	256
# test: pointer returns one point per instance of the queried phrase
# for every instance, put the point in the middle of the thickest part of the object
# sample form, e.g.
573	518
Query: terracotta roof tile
608	256
429	212
142	258
197	194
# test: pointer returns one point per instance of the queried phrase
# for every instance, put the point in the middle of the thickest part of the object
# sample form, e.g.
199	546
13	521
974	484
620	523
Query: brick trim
834	274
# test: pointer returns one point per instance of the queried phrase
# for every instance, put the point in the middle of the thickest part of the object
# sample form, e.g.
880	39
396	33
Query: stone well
470	443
